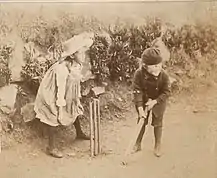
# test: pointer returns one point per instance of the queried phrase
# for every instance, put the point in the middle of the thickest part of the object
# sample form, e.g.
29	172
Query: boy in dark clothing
151	91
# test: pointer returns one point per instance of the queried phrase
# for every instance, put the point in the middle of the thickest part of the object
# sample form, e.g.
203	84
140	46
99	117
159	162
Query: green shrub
116	61
99	58
5	73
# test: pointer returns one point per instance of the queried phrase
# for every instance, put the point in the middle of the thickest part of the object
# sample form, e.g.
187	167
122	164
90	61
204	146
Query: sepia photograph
108	89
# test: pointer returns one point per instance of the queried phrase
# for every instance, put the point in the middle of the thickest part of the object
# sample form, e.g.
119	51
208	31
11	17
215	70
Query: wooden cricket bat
135	135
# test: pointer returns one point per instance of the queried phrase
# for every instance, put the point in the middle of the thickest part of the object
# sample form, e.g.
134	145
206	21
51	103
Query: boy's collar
148	75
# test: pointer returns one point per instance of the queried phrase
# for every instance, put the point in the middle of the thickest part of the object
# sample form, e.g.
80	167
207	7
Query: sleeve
61	77
79	90
166	89
77	93
137	89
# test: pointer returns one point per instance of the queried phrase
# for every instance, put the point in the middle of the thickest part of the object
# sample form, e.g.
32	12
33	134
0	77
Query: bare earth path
189	149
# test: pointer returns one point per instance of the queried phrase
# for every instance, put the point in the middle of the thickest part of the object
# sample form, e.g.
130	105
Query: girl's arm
61	77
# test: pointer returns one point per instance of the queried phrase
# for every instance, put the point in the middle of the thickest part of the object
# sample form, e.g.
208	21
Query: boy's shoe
157	151
55	153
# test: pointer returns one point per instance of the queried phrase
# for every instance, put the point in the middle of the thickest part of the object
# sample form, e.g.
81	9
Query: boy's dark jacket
147	86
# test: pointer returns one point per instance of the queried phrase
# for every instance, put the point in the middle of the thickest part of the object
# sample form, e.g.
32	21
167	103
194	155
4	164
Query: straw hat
74	44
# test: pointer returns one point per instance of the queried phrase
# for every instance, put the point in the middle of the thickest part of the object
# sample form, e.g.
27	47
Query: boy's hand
141	112
150	104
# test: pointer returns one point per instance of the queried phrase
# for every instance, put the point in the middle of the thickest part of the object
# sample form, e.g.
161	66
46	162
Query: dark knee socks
78	127
157	135
52	133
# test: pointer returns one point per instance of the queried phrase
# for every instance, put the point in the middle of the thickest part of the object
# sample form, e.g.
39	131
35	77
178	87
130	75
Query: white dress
58	84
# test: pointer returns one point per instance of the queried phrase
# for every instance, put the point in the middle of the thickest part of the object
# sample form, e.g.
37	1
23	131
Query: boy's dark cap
151	56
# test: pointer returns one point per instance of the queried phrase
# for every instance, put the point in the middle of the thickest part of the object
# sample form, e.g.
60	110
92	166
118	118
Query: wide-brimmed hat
76	43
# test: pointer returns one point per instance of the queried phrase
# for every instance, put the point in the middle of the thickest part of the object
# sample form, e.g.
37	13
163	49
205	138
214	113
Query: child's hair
69	58
72	58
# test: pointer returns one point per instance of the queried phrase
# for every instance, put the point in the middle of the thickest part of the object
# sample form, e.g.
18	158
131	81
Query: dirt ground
189	148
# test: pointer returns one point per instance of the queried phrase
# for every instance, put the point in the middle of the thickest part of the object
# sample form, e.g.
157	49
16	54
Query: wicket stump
95	137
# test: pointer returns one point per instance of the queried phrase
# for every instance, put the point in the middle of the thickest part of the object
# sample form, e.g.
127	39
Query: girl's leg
52	147
80	134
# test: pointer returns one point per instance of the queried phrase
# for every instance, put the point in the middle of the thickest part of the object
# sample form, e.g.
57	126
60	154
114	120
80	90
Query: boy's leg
157	123
80	134
52	148
158	136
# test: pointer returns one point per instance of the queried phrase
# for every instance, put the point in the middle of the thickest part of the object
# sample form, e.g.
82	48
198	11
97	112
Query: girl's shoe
55	153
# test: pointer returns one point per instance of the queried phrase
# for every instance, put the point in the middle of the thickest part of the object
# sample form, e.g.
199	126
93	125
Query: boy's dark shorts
156	121
156	115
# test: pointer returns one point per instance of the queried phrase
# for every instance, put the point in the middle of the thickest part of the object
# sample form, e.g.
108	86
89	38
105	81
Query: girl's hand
80	106
60	114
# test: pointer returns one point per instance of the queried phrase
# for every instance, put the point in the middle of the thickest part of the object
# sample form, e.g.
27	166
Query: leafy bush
116	60
198	37
5	55
99	58
33	73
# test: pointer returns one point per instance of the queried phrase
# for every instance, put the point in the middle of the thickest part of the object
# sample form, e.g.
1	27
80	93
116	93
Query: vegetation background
191	38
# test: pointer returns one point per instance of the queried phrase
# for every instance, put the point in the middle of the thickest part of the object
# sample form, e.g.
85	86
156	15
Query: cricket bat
134	137
136	132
